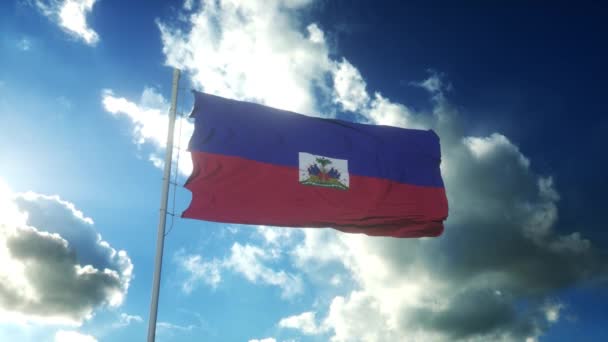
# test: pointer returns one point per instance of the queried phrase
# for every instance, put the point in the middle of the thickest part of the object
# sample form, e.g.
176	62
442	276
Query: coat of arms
323	171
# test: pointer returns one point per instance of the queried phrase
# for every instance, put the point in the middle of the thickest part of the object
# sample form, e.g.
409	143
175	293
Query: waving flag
259	165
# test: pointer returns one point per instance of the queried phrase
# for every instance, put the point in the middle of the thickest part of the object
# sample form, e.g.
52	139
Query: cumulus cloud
246	260
349	87
267	339
73	336
359	318
283	65
71	16
150	120
382	111
56	267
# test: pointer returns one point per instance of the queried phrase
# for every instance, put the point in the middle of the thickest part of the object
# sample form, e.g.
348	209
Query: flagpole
160	239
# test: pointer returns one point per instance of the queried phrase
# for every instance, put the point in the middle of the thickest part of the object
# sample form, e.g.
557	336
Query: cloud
73	336
57	268
434	84
71	16
359	318
275	236
304	322
208	272
171	329
246	260
283	68
126	320
382	111
175	327
349	87
267	339
188	4
150	120
552	311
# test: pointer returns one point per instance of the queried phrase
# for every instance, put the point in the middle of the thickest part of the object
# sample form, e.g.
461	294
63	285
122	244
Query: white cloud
168	331
267	339
359	318
167	325
277	236
188	4
150	122
336	280
198	270
283	64
315	34
552	311
246	260
349	87
384	112
56	267
73	336
304	322
434	84
157	161
318	246
71	16
126	320
482	147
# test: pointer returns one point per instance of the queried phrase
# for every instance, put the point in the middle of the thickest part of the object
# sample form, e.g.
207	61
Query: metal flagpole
160	239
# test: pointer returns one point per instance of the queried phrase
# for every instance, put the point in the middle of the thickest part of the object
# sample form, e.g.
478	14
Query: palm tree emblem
321	174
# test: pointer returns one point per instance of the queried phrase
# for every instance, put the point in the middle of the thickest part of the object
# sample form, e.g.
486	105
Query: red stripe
237	190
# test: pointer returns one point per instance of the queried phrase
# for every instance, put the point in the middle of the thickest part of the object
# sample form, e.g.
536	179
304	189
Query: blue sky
515	93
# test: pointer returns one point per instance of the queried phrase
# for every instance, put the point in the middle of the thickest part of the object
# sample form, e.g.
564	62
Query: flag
264	166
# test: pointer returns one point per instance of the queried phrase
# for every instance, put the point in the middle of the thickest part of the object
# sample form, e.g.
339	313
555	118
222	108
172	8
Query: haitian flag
264	166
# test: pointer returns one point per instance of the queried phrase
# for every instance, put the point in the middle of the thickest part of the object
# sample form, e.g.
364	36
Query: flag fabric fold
264	166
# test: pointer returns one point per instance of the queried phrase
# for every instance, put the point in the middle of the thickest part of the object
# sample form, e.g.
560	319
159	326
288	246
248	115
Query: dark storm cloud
60	268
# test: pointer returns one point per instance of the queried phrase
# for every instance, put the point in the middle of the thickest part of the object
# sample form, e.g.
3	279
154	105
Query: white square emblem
323	171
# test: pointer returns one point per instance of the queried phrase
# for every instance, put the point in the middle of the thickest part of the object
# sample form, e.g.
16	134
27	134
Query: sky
515	92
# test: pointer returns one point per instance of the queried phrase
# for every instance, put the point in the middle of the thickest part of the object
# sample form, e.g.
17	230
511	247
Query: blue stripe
270	135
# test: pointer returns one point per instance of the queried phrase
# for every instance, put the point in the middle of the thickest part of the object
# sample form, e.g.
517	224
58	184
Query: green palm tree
323	162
